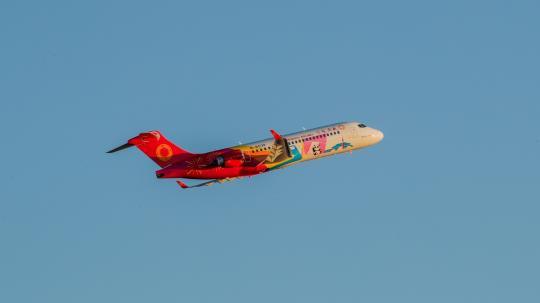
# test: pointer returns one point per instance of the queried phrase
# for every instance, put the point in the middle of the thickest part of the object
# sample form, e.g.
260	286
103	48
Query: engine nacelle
219	161
234	162
222	162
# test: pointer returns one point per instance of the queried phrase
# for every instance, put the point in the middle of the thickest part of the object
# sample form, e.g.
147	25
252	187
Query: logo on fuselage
164	152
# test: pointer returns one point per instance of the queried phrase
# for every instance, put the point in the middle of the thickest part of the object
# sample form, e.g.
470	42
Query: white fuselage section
325	141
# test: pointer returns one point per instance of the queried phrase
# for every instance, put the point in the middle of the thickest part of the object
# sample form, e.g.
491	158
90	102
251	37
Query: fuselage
270	154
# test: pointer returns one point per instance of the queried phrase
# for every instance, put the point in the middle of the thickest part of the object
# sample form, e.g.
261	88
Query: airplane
246	160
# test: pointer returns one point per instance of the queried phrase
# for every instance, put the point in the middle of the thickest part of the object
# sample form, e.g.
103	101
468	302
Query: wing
280	152
208	183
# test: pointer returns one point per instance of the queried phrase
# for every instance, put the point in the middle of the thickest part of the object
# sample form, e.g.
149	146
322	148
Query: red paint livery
158	148
179	163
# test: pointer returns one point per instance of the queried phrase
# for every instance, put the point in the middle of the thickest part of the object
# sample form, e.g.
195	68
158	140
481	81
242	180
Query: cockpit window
361	125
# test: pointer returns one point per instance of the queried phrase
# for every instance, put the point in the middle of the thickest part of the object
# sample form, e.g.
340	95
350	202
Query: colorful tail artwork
156	147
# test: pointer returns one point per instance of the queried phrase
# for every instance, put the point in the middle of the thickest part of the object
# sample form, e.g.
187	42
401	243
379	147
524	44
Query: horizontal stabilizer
119	148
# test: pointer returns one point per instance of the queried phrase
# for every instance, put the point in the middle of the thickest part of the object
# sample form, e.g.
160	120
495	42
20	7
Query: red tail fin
156	147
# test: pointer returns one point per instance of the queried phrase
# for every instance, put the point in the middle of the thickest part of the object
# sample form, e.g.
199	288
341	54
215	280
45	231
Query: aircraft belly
220	173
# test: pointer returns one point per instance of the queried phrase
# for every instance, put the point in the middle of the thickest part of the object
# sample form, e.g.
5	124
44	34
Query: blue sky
445	209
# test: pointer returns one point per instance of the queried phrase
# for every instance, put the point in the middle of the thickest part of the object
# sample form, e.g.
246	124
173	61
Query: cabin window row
315	137
297	141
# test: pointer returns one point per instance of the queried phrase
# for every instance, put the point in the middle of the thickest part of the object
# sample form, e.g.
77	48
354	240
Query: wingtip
275	134
182	184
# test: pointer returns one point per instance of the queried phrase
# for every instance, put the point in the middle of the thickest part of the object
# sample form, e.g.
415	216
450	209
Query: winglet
182	184
276	135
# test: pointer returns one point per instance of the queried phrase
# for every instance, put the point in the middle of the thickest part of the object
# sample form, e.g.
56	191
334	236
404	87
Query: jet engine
222	162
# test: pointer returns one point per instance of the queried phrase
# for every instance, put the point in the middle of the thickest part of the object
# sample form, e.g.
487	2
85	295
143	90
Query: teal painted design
296	156
343	145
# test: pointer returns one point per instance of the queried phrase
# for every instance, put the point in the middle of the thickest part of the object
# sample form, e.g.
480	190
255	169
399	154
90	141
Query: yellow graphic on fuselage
164	152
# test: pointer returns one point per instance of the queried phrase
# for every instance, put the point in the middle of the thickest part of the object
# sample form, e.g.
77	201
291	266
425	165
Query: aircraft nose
379	135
